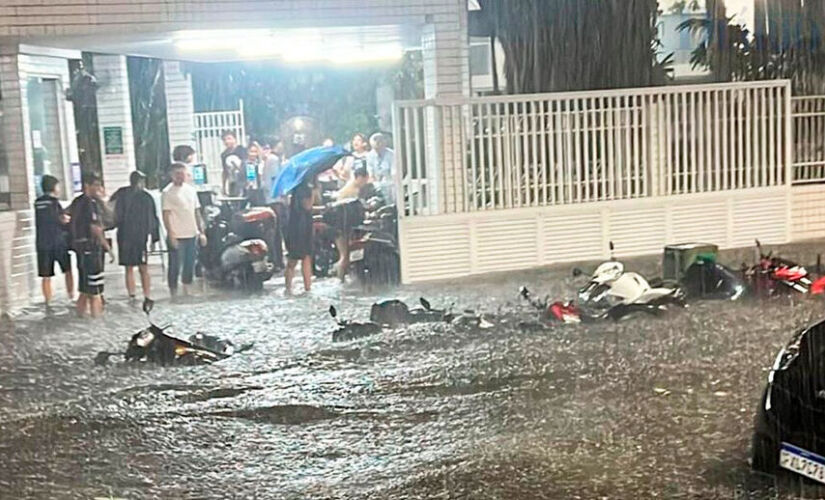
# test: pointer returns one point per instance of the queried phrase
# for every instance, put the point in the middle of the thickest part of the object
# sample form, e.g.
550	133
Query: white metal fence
208	129
491	153
809	139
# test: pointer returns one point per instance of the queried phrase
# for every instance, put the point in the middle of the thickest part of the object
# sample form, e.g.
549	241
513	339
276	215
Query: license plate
802	462
260	266
356	255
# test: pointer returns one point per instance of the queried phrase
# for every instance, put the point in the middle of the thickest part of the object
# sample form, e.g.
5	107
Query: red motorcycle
774	275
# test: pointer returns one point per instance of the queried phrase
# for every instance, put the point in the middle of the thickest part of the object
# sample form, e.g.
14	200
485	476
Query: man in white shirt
381	166
184	227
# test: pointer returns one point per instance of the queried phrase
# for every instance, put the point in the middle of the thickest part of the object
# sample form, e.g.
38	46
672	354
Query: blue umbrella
304	165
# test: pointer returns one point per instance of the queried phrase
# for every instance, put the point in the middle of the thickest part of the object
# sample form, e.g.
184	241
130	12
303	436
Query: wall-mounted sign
113	140
77	182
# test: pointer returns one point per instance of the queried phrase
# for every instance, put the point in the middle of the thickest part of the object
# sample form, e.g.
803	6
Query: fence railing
208	129
809	139
491	153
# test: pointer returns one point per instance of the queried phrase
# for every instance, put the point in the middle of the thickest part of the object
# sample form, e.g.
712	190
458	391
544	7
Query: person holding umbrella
299	236
297	177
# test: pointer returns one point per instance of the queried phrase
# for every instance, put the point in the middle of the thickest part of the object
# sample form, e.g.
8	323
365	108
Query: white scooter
615	293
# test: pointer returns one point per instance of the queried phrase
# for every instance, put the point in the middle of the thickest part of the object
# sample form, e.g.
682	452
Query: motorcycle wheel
326	255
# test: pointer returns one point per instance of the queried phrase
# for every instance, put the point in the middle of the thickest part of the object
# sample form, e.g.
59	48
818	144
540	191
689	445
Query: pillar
114	114
180	107
445	46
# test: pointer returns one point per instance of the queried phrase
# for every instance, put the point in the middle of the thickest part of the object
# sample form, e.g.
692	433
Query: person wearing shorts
90	244
299	237
136	220
51	243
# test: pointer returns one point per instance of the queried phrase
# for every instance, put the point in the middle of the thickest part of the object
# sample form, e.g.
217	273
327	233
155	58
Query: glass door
44	100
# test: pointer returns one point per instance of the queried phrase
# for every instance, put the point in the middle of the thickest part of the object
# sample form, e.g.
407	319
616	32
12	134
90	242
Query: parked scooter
154	345
338	217
374	255
238	244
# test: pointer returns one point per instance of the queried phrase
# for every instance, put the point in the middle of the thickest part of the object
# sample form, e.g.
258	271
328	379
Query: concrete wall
17	259
808	212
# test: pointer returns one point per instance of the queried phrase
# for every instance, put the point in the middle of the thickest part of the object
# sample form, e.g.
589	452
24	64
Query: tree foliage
787	42
558	45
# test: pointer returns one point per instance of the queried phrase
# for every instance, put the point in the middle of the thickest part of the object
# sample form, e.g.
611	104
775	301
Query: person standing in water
136	219
50	222
299	237
89	241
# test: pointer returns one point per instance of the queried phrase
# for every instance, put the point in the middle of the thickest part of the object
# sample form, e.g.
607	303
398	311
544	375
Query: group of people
81	228
251	172
248	172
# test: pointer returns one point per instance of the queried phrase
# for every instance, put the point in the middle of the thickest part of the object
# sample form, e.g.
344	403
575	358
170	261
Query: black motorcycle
239	240
707	279
374	254
789	435
395	312
351	330
154	345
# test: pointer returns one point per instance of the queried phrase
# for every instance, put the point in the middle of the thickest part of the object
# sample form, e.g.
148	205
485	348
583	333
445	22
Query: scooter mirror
333	312
148	305
425	303
577	272
612	247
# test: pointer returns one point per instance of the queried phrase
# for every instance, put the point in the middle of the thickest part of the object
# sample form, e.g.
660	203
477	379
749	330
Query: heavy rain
479	249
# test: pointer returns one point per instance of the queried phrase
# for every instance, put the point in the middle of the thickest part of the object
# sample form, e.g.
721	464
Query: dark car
789	437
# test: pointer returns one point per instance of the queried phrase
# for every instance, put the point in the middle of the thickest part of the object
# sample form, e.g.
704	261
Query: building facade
38	38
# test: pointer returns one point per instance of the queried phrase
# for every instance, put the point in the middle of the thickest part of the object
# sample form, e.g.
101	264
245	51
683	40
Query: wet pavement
635	409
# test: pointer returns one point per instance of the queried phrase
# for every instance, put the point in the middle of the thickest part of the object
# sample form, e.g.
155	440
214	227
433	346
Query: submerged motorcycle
154	345
395	312
774	275
611	293
238	244
707	279
351	330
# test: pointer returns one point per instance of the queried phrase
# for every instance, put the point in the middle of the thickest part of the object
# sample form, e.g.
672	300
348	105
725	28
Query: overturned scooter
395	312
612	293
154	345
351	330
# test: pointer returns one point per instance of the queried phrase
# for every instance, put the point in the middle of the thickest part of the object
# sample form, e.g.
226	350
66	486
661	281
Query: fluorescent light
298	47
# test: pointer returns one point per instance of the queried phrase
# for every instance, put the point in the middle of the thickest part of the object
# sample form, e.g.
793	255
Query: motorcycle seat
257	214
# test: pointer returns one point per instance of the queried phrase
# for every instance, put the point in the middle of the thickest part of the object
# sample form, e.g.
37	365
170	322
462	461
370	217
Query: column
114	114
446	74
180	108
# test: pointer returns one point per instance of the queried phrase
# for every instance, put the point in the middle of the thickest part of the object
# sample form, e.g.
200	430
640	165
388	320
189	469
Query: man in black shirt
89	242
233	159
136	219
51	243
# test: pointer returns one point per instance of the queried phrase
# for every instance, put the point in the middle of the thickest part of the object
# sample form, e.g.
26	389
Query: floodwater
640	408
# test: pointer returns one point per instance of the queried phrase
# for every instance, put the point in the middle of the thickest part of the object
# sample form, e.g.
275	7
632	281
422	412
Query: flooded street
644	407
